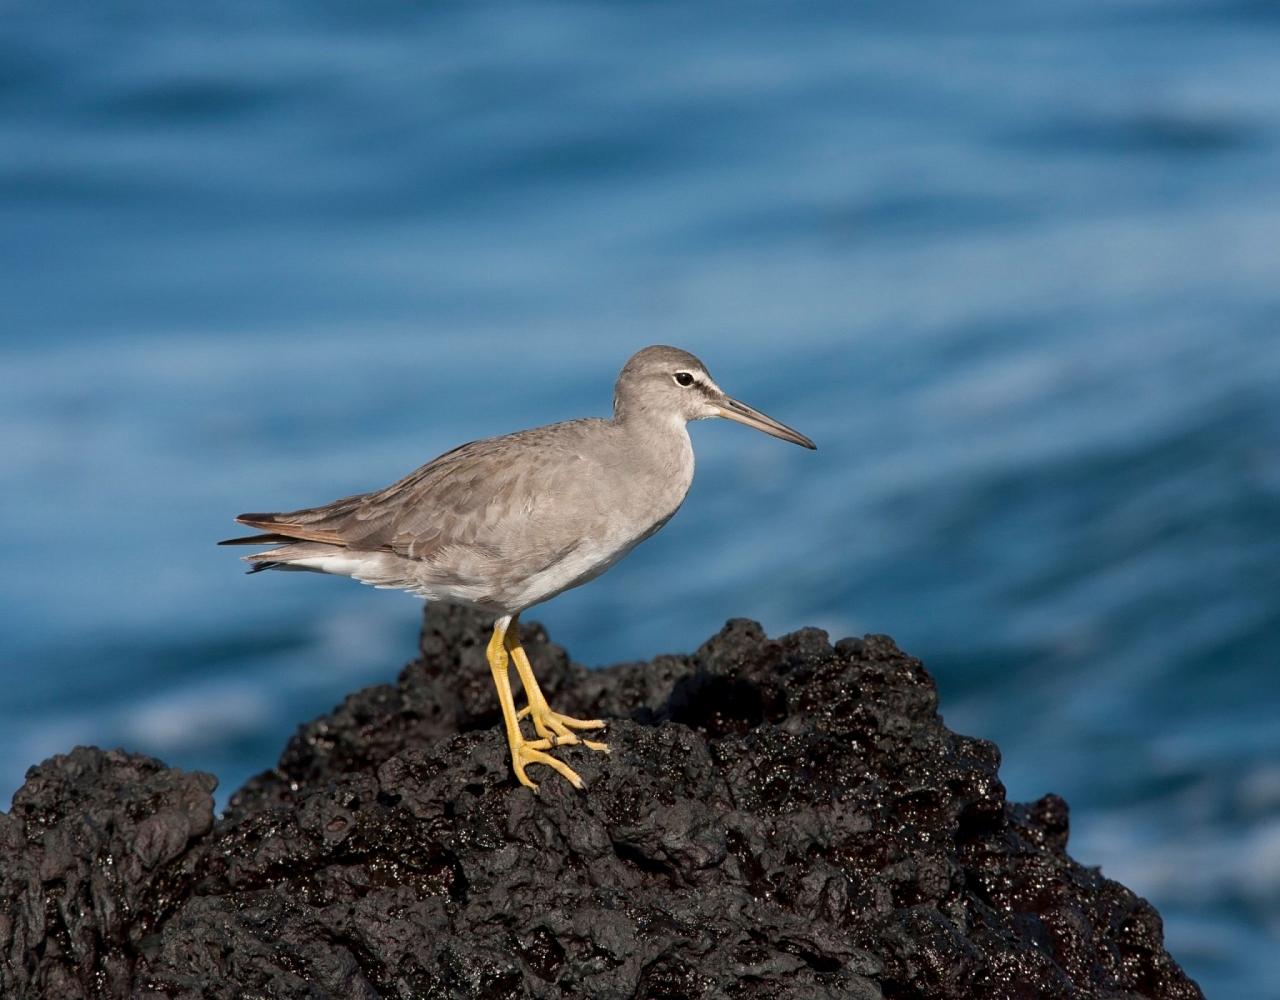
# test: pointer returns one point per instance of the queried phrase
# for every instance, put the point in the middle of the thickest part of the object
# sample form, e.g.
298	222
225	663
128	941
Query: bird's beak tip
735	410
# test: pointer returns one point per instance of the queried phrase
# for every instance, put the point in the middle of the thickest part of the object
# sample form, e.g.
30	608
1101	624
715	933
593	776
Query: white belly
584	563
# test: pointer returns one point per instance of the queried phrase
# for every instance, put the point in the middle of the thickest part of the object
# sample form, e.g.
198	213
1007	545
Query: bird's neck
649	422
662	438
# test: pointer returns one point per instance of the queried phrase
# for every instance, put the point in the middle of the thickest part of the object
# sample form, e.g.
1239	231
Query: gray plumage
508	522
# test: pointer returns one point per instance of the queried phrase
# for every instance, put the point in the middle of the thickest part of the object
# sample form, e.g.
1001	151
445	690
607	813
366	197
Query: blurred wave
1012	266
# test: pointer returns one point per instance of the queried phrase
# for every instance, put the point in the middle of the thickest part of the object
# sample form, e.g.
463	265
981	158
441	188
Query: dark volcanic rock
95	854
778	818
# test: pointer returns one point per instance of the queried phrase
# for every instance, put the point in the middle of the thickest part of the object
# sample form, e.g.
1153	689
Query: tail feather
291	526
287	555
268	539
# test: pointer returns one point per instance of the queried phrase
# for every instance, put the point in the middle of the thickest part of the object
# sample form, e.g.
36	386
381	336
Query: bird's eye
684	379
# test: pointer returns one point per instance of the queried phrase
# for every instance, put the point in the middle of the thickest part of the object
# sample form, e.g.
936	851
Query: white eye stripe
684	379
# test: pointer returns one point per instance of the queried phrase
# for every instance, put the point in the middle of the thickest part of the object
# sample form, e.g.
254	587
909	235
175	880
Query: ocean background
1014	266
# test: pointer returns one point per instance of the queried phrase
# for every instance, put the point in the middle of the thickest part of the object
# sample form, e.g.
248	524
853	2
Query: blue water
1015	267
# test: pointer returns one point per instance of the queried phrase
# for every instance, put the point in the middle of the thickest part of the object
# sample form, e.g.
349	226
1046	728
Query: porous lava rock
777	818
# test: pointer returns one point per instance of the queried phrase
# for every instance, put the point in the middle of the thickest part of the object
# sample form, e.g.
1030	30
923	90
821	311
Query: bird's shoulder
497	460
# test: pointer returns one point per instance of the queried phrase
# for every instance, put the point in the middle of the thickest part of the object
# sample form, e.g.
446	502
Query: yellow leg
547	723
523	752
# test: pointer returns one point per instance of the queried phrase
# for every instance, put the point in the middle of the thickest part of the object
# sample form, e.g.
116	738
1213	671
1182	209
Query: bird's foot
557	729
526	752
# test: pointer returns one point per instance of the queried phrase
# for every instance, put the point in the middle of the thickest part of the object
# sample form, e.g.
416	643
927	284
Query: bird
504	523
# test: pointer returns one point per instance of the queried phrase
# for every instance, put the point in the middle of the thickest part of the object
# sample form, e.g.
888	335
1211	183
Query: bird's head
668	382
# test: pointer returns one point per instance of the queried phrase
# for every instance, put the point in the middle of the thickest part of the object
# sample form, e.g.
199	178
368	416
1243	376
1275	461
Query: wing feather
472	497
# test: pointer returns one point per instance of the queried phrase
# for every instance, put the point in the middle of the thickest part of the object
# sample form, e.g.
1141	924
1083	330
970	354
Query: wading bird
507	522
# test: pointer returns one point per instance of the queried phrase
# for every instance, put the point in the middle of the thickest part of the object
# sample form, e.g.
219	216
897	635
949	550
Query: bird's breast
657	477
606	512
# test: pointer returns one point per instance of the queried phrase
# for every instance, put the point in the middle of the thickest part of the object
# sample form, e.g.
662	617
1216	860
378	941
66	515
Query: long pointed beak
731	409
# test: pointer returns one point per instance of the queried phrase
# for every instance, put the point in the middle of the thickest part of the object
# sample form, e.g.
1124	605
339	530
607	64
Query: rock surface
778	818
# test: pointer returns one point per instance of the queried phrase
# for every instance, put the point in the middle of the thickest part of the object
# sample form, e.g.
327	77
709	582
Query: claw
550	724
528	753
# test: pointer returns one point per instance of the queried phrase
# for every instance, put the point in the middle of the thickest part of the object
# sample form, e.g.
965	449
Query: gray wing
482	497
